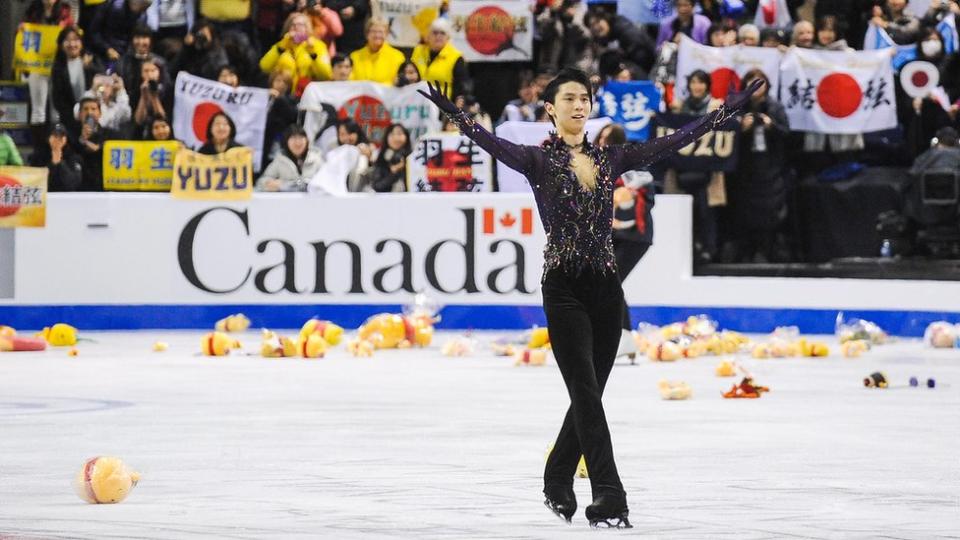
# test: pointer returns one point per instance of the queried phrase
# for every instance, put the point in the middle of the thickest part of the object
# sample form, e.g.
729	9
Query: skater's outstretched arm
517	157
641	155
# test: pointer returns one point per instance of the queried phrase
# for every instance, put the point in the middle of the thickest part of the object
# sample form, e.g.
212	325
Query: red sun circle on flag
369	113
201	118
489	30
839	95
919	79
8	210
720	81
453	172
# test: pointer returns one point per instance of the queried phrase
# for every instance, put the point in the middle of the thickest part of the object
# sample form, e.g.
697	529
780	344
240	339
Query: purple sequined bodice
579	221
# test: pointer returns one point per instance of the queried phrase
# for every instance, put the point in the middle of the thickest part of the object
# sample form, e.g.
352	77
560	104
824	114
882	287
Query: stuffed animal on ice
360	347
876	379
665	351
725	369
942	335
745	390
276	346
59	335
503	349
854	348
777	348
233	323
531	357
105	480
330	332
813	348
10	342
674	390
312	346
459	346
539	337
218	344
859	329
391	331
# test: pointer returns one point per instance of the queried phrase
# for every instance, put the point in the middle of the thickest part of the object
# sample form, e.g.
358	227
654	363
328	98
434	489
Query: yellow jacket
381	66
308	60
441	69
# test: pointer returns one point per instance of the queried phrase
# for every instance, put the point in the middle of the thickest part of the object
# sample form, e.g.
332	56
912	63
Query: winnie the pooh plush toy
312	346
276	346
674	390
233	323
105	480
59	335
392	331
331	333
217	344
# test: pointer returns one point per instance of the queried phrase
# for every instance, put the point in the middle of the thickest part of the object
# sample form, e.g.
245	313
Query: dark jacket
204	63
111	27
636	44
381	178
61	91
352	37
758	191
64	176
209	150
92	161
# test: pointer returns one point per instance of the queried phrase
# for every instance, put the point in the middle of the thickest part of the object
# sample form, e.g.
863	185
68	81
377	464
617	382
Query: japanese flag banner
197	100
726	65
844	92
493	31
631	104
772	14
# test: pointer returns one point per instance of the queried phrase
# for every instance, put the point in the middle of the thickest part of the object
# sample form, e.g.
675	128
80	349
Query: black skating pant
584	314
628	254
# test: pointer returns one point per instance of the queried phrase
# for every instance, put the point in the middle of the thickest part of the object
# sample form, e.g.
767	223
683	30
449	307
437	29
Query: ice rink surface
412	444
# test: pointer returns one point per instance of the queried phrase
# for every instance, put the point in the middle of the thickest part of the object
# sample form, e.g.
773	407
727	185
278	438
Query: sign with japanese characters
23	196
409	20
222	177
34	48
838	91
449	162
714	151
138	165
725	65
372	106
632	105
488	31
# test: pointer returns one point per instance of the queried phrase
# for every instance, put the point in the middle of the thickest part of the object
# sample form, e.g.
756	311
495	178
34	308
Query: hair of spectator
141	30
152	122
280	74
228	68
947	136
294	130
202	23
748	30
62	36
386	135
289	22
351	127
701	76
233	127
615	134
829	22
800	26
376	21
566	75
85	100
340	58
401	77
926	33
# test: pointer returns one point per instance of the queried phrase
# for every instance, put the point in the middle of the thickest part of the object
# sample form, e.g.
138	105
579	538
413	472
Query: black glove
439	98
738	100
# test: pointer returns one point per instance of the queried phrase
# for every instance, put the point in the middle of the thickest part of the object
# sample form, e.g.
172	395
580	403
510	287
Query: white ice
412	444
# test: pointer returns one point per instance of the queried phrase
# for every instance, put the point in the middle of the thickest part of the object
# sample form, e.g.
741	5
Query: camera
199	39
153	85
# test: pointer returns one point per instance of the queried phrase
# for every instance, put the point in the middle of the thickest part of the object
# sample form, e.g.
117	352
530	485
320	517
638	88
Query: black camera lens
153	85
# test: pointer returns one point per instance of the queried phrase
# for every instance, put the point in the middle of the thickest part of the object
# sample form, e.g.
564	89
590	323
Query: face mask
931	47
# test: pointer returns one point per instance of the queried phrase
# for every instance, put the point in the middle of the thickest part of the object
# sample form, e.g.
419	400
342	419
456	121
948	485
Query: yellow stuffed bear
531	357
539	337
312	346
217	344
666	351
674	390
59	335
105	479
276	346
233	323
391	331
330	332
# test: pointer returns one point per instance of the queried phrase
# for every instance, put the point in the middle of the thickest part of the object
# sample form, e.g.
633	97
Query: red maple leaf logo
508	220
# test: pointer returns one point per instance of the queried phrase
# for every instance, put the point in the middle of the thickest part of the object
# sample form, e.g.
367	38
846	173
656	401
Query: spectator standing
170	21
111	28
202	54
377	61
155	94
352	14
439	62
327	26
64	170
114	102
685	21
299	54
902	27
51	12
141	50
631	41
71	76
564	40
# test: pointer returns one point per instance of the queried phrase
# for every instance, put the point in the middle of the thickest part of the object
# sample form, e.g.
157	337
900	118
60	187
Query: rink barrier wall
454	317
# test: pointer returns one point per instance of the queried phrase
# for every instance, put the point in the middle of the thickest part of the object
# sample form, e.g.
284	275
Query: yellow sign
138	165
23	196
223	177
34	48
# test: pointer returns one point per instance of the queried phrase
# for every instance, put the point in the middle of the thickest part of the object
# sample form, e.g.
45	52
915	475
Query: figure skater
572	182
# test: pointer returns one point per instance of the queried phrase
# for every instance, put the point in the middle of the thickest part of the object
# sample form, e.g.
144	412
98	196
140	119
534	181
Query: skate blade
557	512
612	523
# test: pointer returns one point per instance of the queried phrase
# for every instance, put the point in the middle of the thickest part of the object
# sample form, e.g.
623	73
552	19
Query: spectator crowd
116	61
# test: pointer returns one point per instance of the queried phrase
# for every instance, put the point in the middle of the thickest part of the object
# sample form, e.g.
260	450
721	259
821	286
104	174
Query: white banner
532	133
373	106
772	14
838	91
409	19
725	65
449	162
493	31
196	101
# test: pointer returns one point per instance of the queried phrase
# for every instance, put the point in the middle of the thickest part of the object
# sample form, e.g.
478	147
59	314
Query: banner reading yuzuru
371	105
138	165
23	196
846	92
197	100
493	31
35	47
222	177
449	162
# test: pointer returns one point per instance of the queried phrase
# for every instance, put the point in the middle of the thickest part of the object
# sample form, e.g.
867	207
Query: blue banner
631	104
